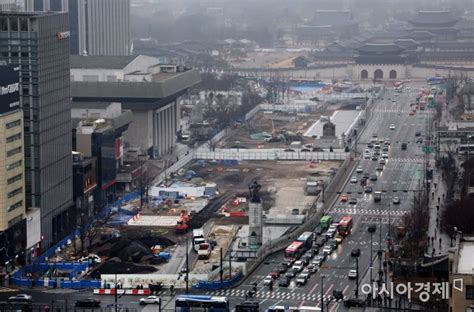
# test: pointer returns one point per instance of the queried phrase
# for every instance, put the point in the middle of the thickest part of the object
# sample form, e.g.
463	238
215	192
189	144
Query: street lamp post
322	292
187	266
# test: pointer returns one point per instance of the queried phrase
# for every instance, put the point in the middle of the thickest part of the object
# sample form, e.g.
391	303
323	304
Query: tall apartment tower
98	27
38	43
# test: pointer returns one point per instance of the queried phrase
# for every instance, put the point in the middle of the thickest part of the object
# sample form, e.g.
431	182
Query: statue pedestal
255	224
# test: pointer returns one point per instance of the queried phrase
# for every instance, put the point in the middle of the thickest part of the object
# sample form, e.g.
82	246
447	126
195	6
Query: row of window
15	206
14	165
13	124
15	192
14	179
14	138
14	151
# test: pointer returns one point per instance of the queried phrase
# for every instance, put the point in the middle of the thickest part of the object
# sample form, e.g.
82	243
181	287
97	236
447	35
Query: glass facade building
38	43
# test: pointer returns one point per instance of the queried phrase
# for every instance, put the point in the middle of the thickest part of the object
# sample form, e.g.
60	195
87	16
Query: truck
204	251
377	196
198	238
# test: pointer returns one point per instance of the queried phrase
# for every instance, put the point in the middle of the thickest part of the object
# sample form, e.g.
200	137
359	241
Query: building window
12	124
15	179
15	192
14	165
469	292
15	206
14	151
14	138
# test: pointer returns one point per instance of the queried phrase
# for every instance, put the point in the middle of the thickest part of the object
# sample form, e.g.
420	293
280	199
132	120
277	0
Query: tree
144	181
459	214
416	223
89	231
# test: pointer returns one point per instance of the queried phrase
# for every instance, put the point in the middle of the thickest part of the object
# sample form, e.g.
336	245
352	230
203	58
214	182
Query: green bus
325	222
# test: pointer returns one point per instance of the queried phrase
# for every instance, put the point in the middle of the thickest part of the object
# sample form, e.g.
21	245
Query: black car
355	252
284	281
418	133
353	201
370	145
290	273
287	264
354	302
305	150
419	140
373	177
320	241
317	149
368	189
305	258
281	268
337	294
333	244
88	302
365	175
372	228
288	150
318	231
313	251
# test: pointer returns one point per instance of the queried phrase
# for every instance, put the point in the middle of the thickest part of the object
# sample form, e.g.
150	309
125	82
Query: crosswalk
385	220
407	160
275	294
364	211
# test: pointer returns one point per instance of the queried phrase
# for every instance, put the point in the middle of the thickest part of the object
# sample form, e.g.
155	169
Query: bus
188	303
325	222
436	80
307	239
465	149
345	226
295	250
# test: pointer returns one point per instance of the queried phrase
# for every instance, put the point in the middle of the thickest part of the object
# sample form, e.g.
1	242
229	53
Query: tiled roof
379	48
434	17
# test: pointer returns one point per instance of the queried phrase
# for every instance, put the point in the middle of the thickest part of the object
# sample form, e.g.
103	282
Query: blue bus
185	303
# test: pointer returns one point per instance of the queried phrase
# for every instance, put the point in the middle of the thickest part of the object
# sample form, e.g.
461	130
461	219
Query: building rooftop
466	254
378	48
100	62
444	17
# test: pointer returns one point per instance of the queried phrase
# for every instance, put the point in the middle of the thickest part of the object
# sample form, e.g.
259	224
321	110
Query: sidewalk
438	242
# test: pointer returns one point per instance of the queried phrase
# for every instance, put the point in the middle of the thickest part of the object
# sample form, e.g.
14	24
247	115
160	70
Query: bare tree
416	224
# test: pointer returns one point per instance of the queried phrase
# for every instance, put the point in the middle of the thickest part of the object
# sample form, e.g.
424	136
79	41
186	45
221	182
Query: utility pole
115	294
230	263
222	267
187	266
357	278
322	292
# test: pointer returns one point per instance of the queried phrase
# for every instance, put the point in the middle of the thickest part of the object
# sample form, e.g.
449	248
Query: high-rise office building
98	27
12	177
38	43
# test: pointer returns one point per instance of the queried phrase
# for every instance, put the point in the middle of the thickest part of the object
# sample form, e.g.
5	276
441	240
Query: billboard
9	89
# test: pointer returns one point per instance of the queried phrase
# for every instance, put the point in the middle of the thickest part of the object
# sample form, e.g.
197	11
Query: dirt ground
263	123
282	181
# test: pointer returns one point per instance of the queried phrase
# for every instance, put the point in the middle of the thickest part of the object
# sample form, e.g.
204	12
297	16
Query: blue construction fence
216	285
56	275
40	263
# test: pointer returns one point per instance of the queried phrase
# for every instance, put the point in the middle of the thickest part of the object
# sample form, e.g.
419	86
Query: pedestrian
439	200
433	252
437	209
437	221
440	243
435	233
443	196
432	194
435	185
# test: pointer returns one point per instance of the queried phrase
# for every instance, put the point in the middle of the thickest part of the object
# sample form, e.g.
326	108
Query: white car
327	250
298	266
367	156
382	161
20	298
385	155
353	180
150	300
268	280
396	200
352	274
392	127
359	170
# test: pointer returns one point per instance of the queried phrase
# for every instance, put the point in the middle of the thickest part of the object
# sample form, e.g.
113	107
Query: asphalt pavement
401	177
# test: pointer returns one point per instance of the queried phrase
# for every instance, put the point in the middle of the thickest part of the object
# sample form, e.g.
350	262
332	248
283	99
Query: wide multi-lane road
401	177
